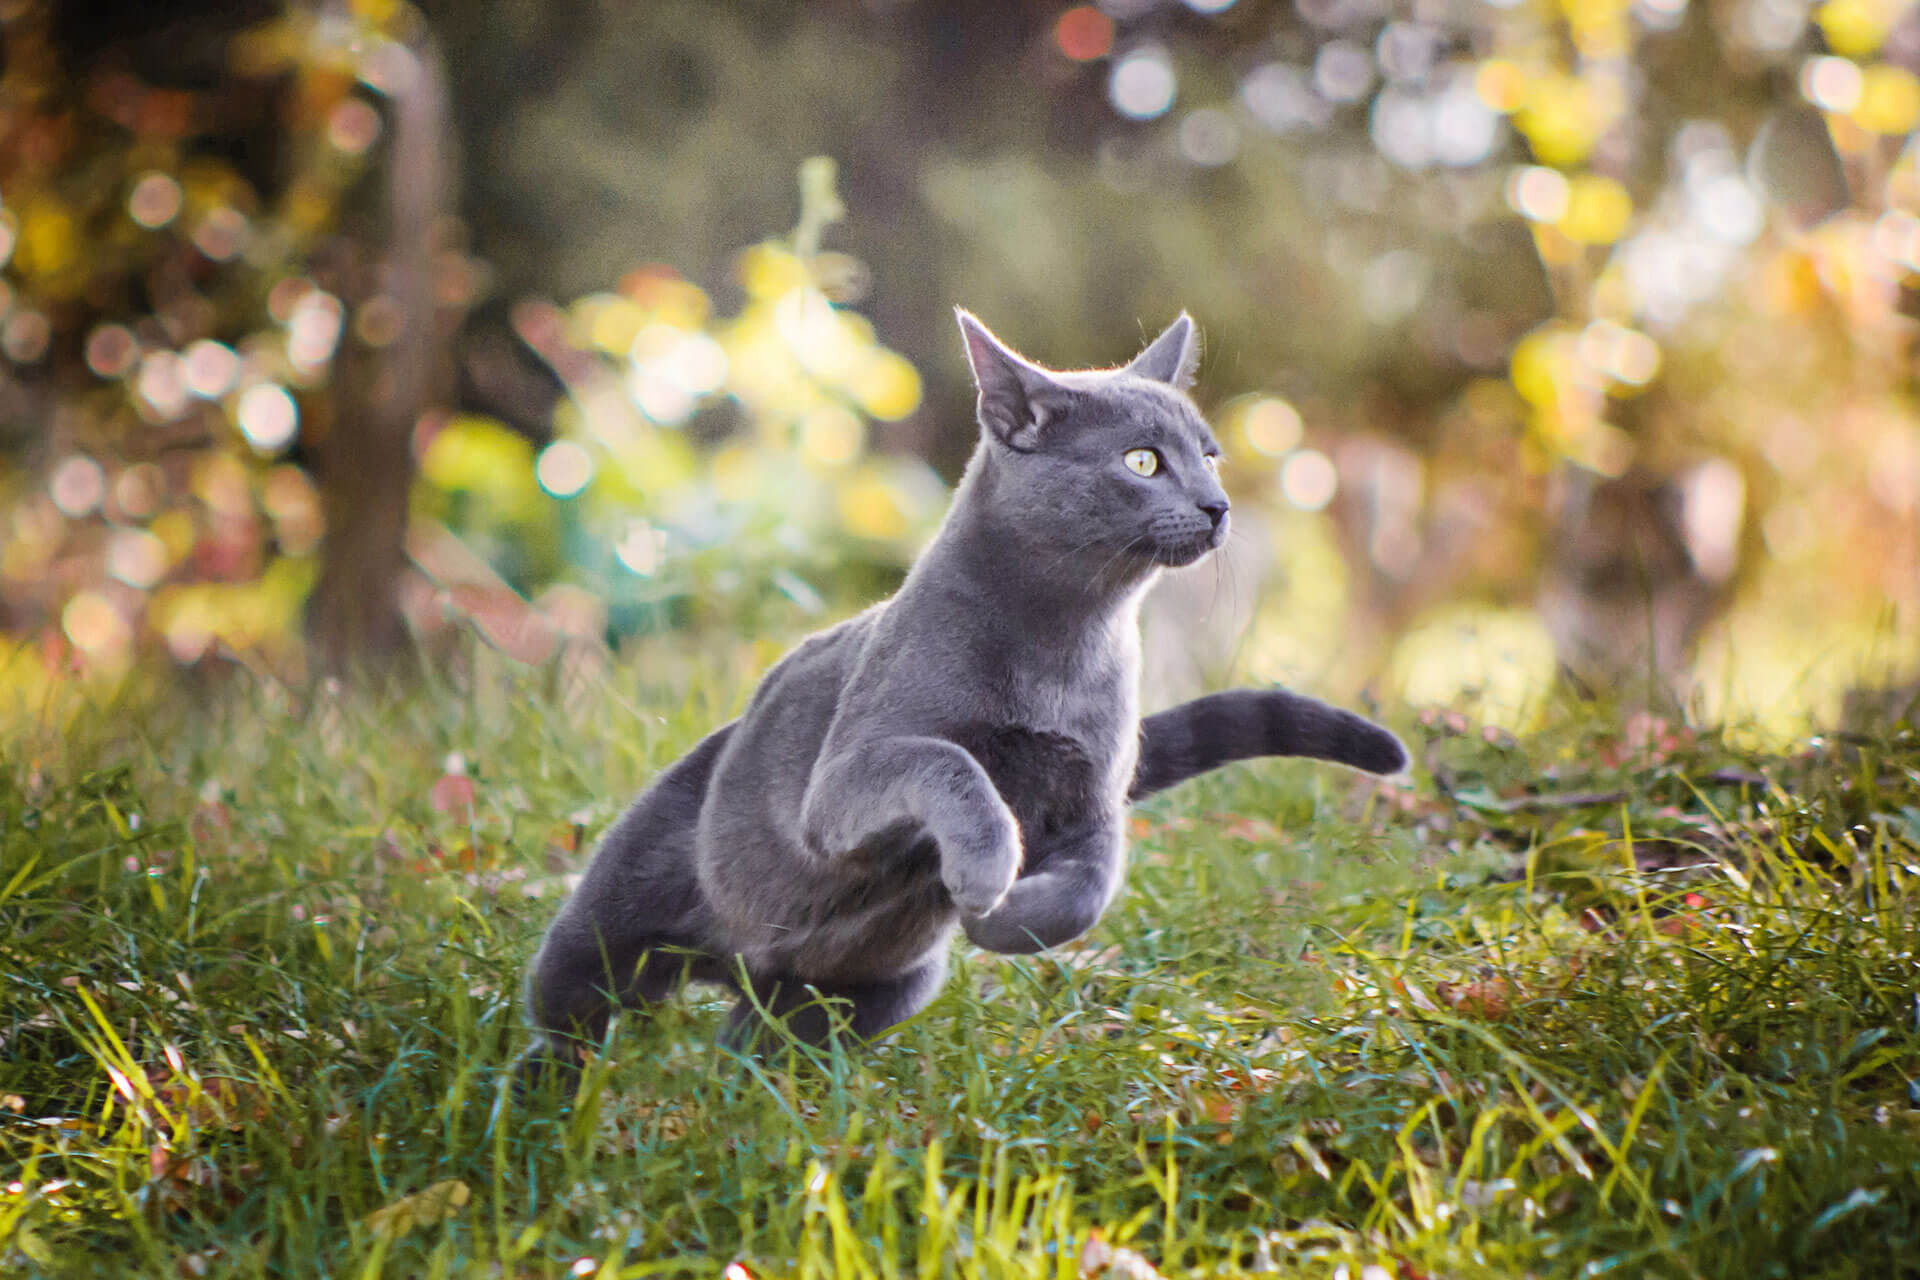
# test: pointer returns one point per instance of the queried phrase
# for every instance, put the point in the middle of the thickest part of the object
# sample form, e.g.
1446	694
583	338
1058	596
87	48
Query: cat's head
1115	467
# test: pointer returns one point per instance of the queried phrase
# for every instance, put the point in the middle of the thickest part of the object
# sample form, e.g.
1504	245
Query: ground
1610	996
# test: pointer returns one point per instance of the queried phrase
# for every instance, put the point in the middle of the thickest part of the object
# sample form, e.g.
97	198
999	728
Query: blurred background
1552	342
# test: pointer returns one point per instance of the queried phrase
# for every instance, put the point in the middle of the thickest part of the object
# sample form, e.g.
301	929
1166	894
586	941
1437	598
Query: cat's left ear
1173	357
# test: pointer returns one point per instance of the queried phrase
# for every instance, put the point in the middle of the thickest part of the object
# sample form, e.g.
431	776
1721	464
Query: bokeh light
1143	84
162	387
1621	353
210	368
831	435
314	321
1272	426
268	417
25	335
1538	193
1465	130
288	496
77	485
136	557
1209	137
564	468
112	351
222	233
641	547
1889	100
1084	33
1832	83
138	490
354	126
154	201
96	628
1281	96
1308	479
1343	71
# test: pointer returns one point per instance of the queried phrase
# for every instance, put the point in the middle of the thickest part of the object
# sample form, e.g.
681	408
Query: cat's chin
1181	555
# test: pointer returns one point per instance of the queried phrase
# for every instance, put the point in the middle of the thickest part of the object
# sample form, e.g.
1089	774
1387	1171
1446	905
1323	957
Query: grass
1601	1000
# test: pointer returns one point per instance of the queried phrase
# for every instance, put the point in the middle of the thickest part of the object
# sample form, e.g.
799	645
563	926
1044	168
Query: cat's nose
1216	512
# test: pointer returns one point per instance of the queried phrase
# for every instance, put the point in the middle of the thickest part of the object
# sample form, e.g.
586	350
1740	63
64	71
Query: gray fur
960	756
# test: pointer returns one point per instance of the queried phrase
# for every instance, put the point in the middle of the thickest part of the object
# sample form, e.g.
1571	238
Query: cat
961	755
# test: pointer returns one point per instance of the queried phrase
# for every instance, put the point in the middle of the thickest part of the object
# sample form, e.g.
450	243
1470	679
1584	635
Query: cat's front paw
978	878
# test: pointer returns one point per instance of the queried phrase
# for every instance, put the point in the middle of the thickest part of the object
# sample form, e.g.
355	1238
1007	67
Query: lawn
1601	998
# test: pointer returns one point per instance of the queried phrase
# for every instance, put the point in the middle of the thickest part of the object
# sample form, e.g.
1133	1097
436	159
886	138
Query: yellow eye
1142	462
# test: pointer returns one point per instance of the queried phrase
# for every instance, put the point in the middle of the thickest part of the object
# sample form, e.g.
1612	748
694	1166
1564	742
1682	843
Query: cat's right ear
1013	390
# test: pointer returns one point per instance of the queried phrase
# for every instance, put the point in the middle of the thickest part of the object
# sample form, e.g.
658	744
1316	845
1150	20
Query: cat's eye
1142	462
1212	460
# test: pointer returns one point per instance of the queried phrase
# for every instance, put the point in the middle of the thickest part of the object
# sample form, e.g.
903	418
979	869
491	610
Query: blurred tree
1591	313
203	315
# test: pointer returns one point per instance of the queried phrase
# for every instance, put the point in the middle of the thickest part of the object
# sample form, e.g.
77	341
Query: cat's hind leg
583	973
809	1012
637	925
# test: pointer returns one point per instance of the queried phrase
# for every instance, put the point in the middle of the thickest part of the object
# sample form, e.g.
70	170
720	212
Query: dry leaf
1100	1259
1216	1108
1486	998
421	1209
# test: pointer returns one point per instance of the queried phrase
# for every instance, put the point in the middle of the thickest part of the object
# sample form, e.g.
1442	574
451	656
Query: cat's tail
1204	734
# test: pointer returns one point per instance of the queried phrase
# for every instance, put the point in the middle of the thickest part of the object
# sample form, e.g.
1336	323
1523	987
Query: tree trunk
365	463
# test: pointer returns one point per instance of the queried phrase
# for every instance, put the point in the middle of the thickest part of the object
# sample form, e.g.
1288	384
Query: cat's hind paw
548	1064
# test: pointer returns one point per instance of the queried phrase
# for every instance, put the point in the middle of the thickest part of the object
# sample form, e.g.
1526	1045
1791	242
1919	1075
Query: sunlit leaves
647	494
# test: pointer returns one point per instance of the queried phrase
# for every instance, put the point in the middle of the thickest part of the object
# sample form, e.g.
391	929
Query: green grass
1565	1006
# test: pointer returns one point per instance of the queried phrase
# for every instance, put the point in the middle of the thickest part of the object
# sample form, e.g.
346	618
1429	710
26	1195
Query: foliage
668	517
1594	999
175	316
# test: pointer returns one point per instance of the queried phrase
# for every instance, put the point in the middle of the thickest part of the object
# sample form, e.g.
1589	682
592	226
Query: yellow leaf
421	1209
1856	27
769	271
1540	366
887	386
1564	116
49	242
1889	100
868	509
1501	84
1598	209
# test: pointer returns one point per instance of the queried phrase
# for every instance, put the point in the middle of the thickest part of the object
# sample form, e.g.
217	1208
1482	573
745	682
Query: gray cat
960	755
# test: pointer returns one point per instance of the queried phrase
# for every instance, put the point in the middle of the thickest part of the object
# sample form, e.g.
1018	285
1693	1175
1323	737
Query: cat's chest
1050	780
